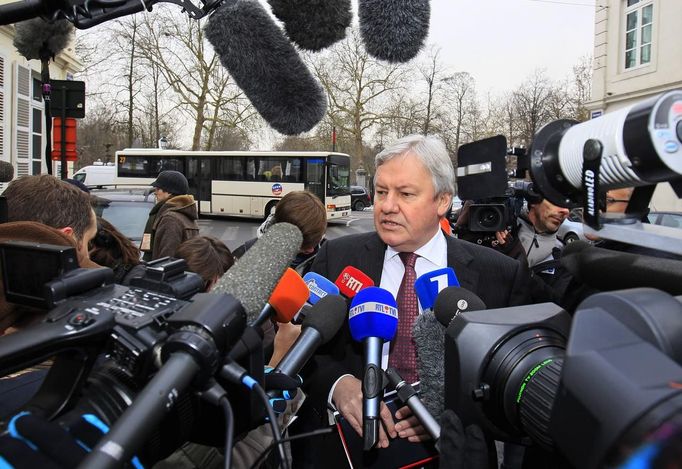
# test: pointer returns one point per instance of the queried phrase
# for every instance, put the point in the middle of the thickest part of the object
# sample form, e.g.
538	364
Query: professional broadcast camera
595	395
110	341
482	179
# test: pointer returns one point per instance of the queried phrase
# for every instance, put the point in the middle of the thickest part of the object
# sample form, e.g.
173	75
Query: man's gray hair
431	152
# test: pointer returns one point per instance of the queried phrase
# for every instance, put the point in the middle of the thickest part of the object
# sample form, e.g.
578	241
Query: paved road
234	231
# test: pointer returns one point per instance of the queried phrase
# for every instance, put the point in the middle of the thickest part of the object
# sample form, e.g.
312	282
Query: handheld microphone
431	283
410	398
313	25
322	322
38	39
607	270
266	66
286	299
455	300
6	171
351	280
373	319
394	30
319	287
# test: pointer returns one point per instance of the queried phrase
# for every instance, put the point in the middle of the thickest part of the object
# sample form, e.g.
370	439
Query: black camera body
109	340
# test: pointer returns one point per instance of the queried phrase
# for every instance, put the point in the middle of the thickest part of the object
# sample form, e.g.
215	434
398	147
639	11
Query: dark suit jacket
498	280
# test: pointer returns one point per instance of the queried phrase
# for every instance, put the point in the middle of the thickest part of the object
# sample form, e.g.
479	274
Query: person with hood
172	220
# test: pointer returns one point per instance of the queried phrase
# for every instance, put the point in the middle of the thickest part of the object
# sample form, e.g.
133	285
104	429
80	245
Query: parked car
126	209
671	219
572	227
359	198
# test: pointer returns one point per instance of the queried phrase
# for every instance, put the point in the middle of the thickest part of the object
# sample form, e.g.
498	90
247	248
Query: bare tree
582	88
461	105
433	74
531	104
358	88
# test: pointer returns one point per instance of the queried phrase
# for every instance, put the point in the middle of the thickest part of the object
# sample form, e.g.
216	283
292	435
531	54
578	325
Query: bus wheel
269	208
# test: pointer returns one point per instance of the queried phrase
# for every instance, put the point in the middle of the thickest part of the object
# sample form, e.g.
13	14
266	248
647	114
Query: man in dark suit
414	186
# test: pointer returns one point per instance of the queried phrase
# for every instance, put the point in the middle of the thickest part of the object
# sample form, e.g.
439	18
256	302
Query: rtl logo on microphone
352	283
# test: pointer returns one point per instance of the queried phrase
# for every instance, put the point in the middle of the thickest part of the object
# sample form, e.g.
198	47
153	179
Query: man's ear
67	230
444	202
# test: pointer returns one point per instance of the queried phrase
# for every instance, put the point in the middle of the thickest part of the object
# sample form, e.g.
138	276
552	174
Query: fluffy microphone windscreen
36	35
327	316
429	339
266	66
394	30
313	24
6	171
252	279
289	295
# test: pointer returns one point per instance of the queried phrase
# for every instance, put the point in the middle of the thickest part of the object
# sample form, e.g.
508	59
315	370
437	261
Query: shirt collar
431	251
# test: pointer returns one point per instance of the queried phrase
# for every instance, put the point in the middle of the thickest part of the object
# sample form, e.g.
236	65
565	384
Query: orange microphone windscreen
289	295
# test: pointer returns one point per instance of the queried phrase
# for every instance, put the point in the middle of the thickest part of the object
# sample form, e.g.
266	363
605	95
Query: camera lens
524	377
489	218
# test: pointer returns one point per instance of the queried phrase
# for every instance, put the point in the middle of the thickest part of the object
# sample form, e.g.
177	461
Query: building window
638	32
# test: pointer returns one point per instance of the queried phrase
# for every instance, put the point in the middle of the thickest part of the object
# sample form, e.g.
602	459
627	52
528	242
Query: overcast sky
500	42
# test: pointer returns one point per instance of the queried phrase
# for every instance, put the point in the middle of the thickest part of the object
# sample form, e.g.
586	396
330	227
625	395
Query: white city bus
244	183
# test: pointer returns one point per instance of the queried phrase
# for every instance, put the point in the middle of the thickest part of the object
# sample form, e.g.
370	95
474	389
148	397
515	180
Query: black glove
460	447
34	442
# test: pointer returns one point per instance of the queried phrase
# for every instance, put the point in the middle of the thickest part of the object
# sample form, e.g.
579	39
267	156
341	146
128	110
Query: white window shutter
22	129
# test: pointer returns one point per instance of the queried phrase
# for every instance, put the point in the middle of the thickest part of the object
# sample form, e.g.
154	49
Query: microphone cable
274	425
266	451
229	430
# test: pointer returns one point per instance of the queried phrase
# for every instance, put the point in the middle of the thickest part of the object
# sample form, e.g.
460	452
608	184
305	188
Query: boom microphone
373	319
252	279
321	323
38	39
394	30
604	269
266	66
455	300
351	280
313	24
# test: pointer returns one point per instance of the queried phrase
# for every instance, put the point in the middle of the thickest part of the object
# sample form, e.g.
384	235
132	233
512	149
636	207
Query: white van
96	175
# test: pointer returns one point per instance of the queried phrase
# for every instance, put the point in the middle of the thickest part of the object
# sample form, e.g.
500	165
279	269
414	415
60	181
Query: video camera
109	342
593	389
496	202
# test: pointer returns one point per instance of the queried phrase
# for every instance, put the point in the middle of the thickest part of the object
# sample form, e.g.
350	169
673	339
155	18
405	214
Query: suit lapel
372	258
459	260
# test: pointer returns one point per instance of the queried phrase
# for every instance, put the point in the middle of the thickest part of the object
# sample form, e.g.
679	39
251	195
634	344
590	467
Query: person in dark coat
414	186
172	220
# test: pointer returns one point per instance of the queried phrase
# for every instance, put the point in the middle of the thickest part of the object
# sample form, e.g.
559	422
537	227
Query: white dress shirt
432	256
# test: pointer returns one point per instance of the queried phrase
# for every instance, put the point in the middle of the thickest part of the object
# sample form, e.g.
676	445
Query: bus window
133	166
314	181
270	168
230	169
292	171
199	177
159	164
